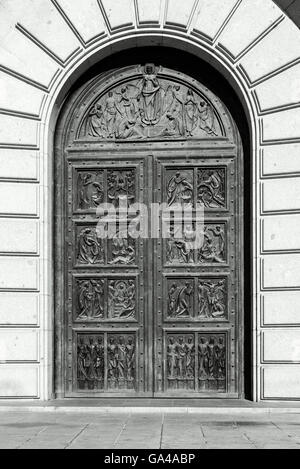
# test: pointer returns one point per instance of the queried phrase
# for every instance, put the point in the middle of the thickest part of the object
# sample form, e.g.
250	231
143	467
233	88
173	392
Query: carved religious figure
203	359
180	190
213	248
121	188
121	299
181	249
207	118
130	360
171	357
212	298
90	299
211	187
180	300
90	190
121	362
90	248
181	362
190	113
190	358
220	353
96	122
111	112
150	96
81	363
122	249
112	374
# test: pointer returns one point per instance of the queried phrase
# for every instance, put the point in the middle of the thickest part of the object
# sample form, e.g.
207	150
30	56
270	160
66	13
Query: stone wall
45	45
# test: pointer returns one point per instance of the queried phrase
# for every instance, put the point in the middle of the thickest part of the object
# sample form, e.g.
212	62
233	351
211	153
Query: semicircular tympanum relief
149	102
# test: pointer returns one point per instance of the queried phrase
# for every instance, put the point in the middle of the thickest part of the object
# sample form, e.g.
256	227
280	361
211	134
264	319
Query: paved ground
68	430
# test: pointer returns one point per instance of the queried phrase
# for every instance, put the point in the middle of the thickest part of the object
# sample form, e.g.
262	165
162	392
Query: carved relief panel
151	105
99	299
196	361
106	362
93	187
196	299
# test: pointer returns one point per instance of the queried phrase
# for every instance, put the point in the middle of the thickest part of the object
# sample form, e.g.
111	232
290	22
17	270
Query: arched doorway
155	315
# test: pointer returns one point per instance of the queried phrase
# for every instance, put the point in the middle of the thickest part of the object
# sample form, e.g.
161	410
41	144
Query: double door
153	297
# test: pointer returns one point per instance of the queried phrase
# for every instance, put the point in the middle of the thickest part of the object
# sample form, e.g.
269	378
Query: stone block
281	271
19	309
19	273
18	199
19	345
281	308
19	381
249	21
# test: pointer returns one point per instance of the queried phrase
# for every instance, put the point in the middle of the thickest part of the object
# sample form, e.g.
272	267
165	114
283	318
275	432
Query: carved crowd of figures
90	363
150	107
117	362
211	359
121	362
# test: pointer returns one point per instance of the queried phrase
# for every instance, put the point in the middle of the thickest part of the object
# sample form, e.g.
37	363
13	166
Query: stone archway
61	39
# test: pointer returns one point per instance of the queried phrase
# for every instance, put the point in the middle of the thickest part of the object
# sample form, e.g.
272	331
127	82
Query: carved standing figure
111	111
207	118
203	358
150	96
172	358
191	113
81	365
190	358
112	361
130	357
179	190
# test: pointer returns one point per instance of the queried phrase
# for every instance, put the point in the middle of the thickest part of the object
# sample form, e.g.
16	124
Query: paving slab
142	430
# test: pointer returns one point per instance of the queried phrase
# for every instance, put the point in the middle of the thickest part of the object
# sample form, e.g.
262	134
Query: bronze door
148	314
197	328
